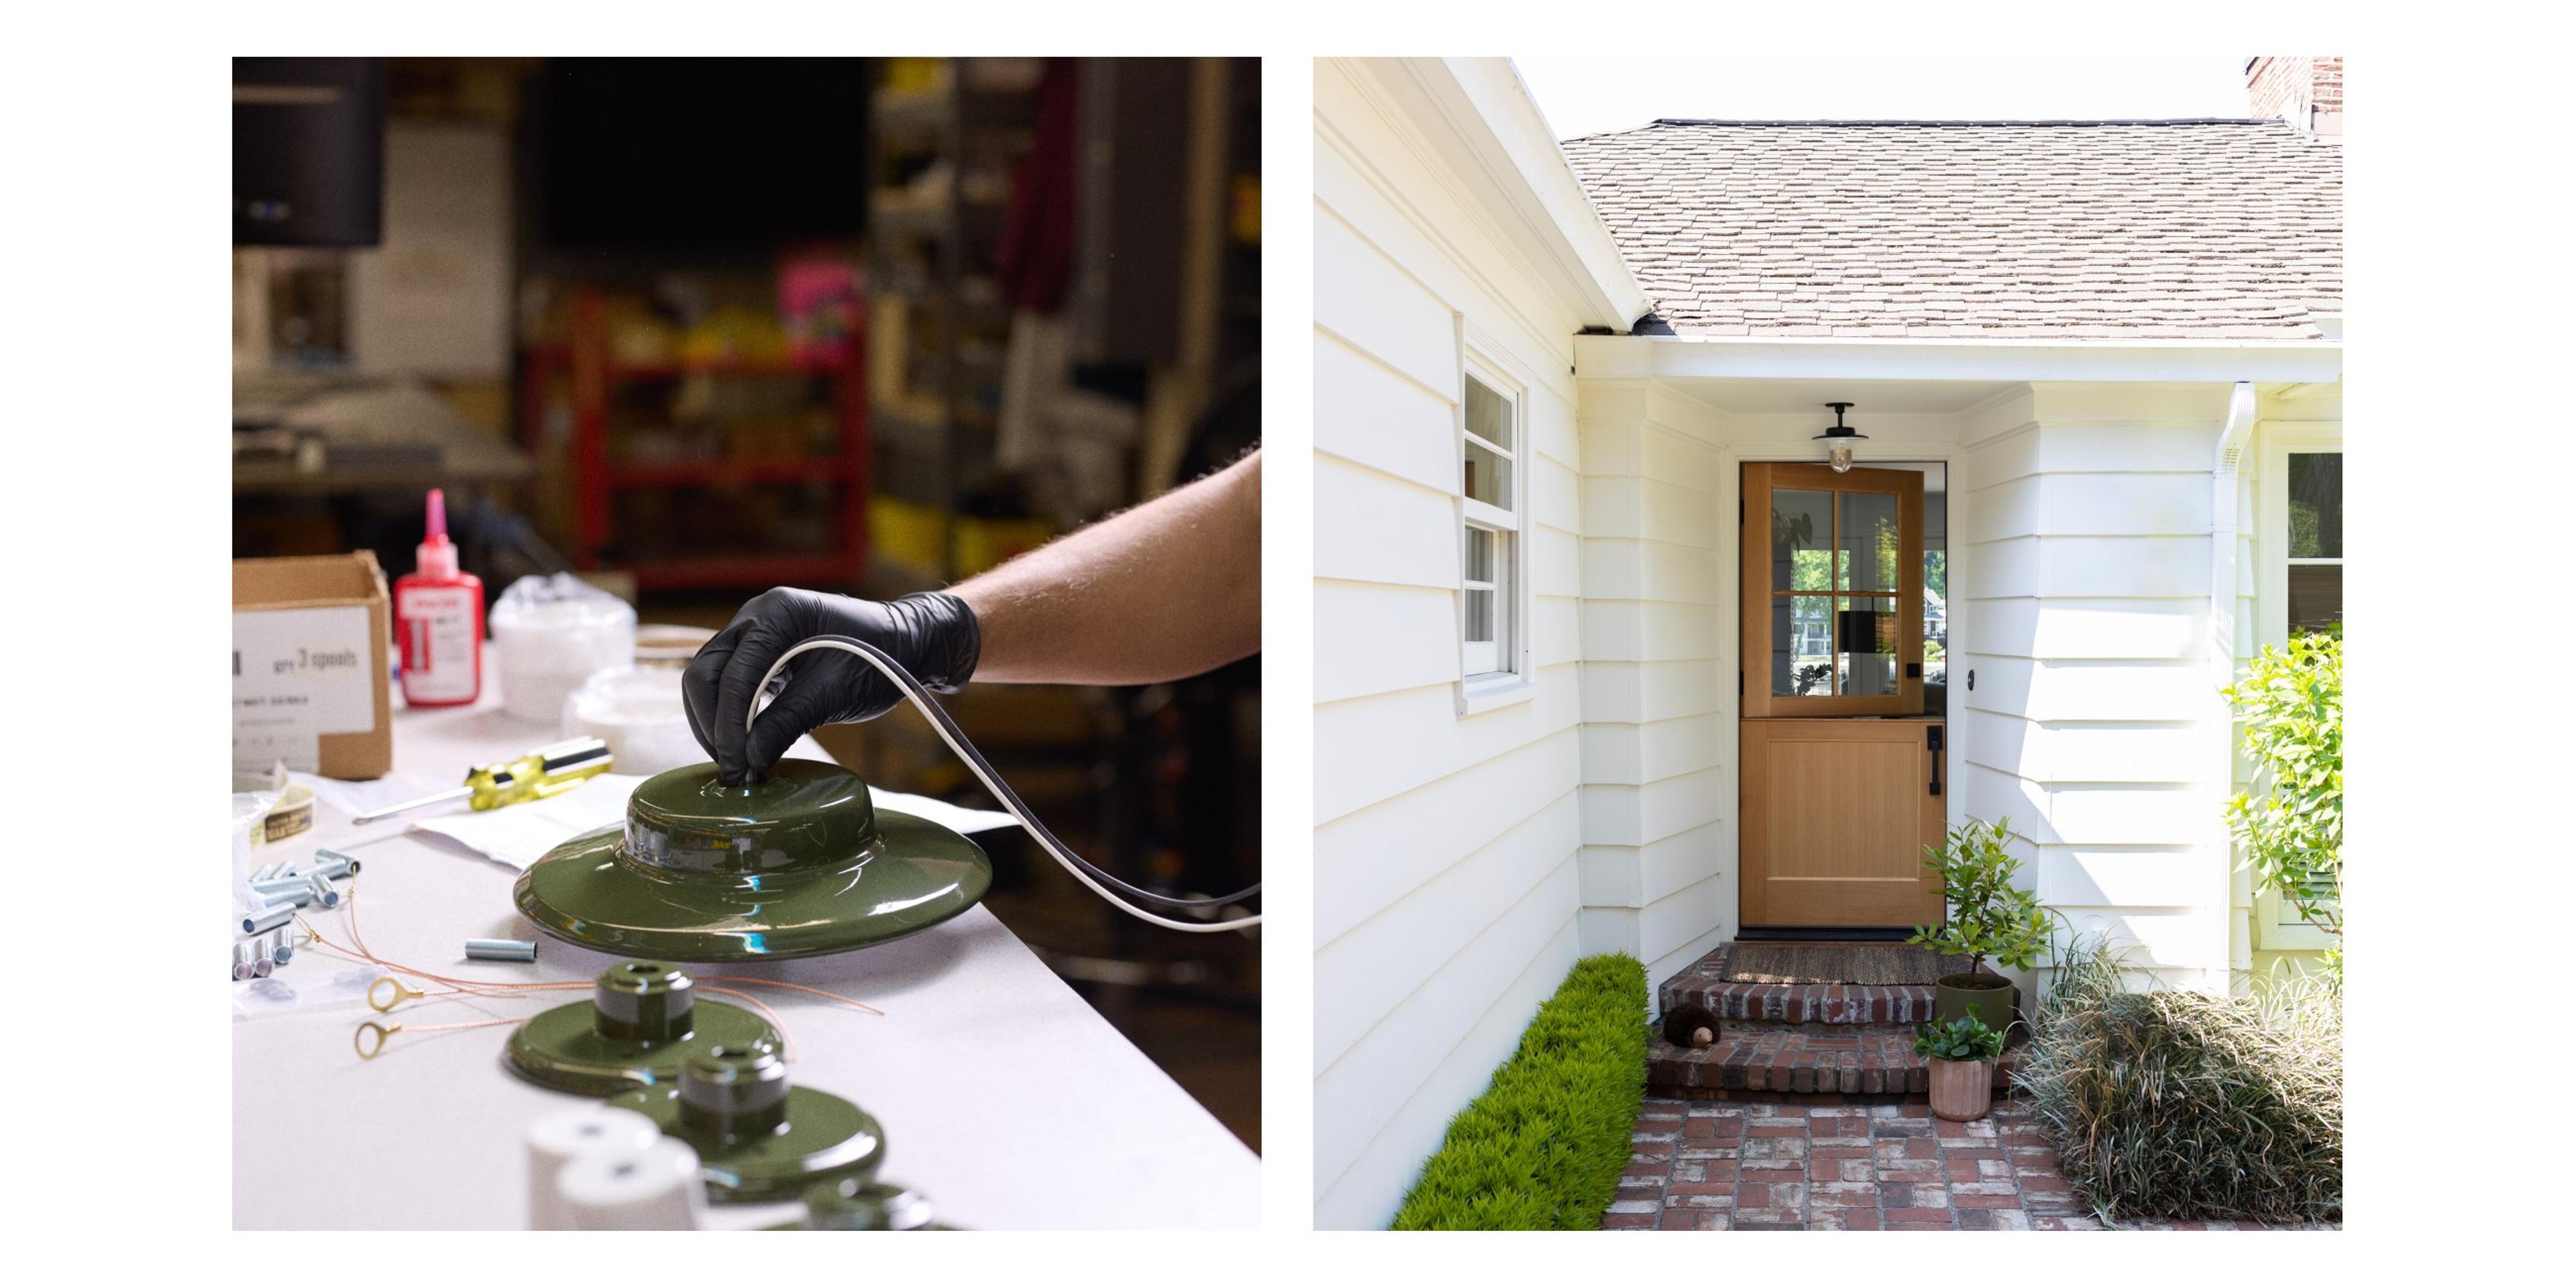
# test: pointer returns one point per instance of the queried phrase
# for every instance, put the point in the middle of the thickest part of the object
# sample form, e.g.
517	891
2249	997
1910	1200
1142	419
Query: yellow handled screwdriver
547	771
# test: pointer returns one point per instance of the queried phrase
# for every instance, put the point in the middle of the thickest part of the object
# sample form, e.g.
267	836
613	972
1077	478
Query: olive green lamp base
642	1022
562	1049
799	865
823	1138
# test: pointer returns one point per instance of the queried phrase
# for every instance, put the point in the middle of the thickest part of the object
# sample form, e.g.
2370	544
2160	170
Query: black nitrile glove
933	635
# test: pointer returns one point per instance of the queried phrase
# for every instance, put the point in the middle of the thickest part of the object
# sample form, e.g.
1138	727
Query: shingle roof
2013	229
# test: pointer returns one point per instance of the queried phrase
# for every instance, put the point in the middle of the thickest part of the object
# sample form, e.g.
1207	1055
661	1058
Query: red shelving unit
594	376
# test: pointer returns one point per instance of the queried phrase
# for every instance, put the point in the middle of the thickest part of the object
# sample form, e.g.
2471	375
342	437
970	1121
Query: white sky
1599	95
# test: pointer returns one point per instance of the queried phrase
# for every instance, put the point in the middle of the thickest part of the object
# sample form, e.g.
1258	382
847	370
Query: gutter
2226	470
2235	439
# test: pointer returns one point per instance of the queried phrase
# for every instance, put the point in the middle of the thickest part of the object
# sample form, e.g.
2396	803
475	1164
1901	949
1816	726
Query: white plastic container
636	710
553	633
560	1139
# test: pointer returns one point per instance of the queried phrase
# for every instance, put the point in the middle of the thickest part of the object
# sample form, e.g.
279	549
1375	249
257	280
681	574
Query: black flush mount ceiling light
1839	439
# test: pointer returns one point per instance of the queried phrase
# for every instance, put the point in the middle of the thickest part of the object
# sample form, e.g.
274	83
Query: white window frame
2276	927
1495	675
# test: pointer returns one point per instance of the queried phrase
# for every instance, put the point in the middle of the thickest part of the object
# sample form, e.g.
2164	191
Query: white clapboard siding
1376	1168
1658	854
2091	724
1378	963
1446	845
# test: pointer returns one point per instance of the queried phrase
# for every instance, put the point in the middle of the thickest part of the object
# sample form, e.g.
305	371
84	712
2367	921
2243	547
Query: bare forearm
1169	589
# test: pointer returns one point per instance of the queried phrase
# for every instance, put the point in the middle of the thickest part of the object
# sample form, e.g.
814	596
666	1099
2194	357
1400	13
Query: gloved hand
933	635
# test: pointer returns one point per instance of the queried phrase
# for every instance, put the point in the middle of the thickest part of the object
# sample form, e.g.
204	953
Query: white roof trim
1494	115
1613	357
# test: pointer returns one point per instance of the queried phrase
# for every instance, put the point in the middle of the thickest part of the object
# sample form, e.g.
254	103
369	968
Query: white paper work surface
519	835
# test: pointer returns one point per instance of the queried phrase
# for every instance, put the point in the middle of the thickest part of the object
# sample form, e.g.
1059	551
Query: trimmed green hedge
1543	1148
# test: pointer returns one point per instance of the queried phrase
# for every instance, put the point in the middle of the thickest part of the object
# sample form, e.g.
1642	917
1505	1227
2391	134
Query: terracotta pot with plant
1963	1054
1989	918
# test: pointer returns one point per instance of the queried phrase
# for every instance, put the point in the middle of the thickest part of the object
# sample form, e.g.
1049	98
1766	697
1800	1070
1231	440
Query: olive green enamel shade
642	1021
758	1138
798	865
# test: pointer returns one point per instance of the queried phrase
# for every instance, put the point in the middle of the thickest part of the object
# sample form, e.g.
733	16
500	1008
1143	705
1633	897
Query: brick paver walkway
1732	1165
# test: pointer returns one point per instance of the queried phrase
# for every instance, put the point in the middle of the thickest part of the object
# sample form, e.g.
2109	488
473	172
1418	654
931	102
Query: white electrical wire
956	739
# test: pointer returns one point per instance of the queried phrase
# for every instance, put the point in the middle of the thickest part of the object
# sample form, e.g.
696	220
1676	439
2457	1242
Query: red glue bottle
438	616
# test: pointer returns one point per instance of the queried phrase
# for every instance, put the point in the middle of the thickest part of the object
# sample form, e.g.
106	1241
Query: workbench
1006	1099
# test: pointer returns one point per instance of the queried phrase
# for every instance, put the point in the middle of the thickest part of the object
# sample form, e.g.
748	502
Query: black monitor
308	151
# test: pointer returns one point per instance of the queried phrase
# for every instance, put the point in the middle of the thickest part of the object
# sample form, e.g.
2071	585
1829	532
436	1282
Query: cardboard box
310	680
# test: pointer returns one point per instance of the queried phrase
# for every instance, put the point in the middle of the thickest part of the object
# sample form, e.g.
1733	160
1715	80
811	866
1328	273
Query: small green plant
1543	1147
1989	916
1965	1038
2291	826
2184	1105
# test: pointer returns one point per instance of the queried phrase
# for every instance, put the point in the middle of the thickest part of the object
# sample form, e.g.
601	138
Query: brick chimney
2306	91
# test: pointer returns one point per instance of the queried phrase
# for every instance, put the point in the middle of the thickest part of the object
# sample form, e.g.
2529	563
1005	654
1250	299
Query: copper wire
459	986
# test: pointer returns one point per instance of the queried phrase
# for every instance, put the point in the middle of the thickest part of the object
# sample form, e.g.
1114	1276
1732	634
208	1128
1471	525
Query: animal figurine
1690	1024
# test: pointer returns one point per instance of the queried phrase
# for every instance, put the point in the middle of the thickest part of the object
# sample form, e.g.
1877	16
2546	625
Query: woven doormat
1874	964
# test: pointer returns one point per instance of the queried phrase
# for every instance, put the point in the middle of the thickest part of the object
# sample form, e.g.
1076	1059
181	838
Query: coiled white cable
949	733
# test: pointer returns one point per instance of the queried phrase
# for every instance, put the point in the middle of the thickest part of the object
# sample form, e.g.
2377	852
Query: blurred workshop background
691	328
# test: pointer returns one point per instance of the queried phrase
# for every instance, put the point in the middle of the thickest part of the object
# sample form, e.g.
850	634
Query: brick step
1705	984
1783	1062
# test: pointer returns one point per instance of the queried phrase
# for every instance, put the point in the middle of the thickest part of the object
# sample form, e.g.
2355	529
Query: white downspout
2226	485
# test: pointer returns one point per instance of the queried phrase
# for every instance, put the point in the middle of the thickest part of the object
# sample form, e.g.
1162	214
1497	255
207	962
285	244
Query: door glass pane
1480	555
2316	505
1802	645
1865	633
1936	617
1802	526
1868	545
2316	596
1489	477
1489	415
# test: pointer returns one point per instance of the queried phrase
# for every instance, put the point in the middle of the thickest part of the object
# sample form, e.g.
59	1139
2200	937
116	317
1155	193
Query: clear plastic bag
553	633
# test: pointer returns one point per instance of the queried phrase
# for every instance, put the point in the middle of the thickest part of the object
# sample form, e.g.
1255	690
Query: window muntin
1825	640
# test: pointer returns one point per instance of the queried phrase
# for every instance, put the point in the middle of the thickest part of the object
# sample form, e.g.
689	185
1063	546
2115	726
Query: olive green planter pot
1993	996
798	865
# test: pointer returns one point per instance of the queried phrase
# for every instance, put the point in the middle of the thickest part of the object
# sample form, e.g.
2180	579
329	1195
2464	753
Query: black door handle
1932	743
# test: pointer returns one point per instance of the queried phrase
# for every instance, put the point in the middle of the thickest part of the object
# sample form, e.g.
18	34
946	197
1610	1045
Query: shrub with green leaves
1543	1147
1989	916
2291	826
2180	1105
1965	1038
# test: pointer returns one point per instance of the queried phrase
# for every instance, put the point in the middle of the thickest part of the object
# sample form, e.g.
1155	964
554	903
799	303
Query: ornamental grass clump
2177	1105
1543	1147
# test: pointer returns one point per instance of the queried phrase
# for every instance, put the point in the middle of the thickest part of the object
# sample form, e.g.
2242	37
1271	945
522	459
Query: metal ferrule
731	1092
260	923
262	874
262	964
242	956
280	947
324	894
271	885
643	1002
295	898
333	864
501	950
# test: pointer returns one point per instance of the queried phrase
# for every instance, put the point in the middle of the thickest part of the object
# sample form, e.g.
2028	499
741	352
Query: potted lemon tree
1963	1054
1990	918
